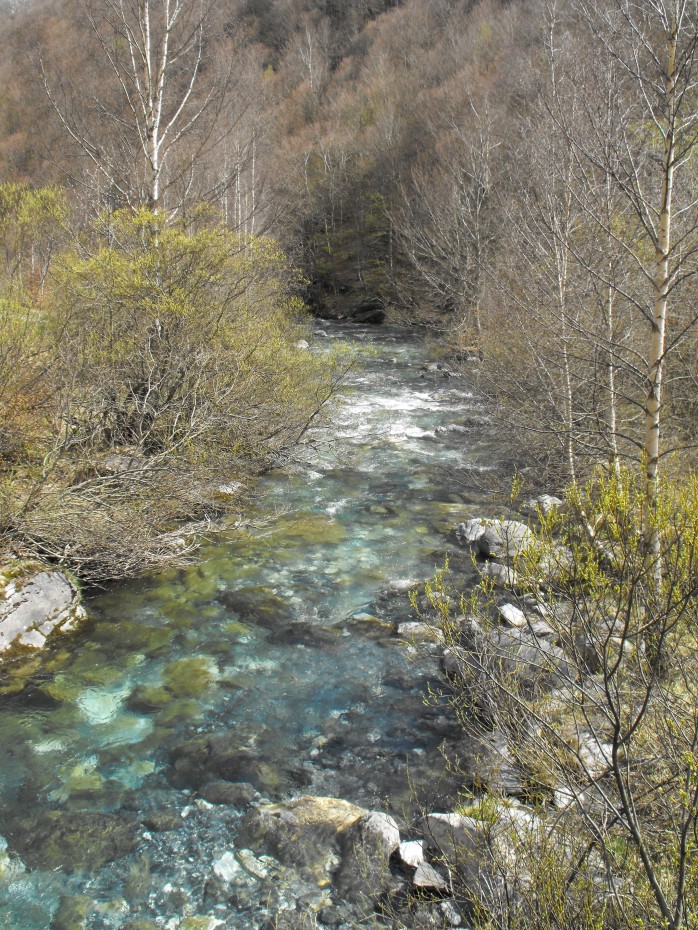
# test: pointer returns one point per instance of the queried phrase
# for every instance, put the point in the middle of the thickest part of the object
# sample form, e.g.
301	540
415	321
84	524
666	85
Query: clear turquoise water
271	643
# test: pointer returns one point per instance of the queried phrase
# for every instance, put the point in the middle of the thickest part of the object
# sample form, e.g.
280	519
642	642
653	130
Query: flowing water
274	662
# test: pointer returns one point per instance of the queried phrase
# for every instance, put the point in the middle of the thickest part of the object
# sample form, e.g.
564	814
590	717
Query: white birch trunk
653	406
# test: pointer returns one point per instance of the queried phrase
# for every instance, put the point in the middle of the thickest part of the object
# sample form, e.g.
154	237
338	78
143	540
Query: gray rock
420	632
366	850
542	630
117	463
411	853
535	665
543	504
451	913
47	601
500	575
426	878
510	615
486	762
456	840
470	532
504	539
487	860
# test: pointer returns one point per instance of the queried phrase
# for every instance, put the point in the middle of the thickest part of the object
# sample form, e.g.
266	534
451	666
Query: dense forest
184	183
503	174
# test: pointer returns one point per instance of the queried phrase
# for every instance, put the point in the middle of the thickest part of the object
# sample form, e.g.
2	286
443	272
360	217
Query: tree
175	368
155	113
653	48
446	228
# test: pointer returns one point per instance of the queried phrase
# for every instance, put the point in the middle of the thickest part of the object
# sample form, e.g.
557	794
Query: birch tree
157	113
652	45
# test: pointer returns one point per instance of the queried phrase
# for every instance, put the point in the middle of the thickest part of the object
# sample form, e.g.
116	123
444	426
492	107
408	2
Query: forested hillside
517	178
493	170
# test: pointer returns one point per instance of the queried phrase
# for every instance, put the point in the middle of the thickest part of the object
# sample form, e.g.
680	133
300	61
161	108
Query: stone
542	630
227	867
411	853
251	864
34	639
510	615
367	846
426	878
72	912
199	923
44	603
139	925
470	532
116	463
414	631
162	821
451	913
188	677
543	504
303	834
146	699
450	835
536	664
486	763
501	576
504	539
138	881
73	840
237	794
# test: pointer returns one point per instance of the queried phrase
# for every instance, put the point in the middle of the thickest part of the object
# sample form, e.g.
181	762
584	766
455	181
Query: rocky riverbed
246	743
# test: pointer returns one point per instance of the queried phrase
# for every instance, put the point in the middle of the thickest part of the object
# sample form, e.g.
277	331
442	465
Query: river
273	662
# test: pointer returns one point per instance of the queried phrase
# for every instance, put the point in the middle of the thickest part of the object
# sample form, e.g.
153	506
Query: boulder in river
72	840
304	834
367	846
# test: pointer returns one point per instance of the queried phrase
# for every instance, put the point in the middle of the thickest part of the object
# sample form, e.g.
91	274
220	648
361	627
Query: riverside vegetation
519	181
148	370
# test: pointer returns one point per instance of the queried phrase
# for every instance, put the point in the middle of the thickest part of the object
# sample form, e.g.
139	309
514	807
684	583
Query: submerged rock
73	840
72	912
147	699
221	757
237	794
188	677
162	821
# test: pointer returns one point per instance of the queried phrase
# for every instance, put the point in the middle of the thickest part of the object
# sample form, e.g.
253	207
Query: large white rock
46	602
